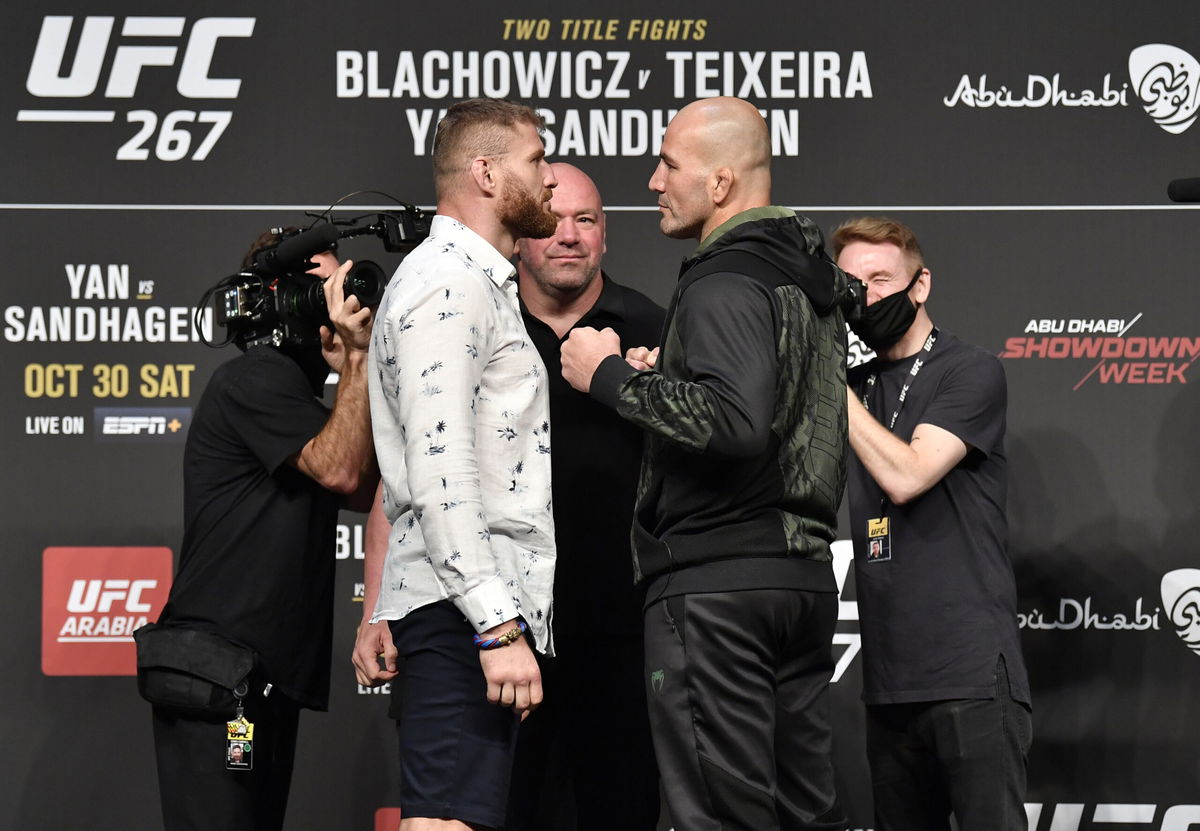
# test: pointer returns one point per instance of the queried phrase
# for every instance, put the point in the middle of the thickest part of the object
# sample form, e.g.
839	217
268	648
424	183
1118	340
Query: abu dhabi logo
1167	80
1181	602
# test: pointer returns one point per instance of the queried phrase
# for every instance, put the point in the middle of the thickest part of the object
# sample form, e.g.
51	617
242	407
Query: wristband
485	642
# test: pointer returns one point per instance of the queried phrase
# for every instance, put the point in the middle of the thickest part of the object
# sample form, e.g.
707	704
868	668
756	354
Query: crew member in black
266	466
591	736
948	705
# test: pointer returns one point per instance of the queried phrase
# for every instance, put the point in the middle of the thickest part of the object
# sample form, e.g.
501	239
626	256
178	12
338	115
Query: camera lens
365	281
300	298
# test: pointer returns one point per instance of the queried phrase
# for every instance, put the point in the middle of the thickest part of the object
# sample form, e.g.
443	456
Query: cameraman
266	468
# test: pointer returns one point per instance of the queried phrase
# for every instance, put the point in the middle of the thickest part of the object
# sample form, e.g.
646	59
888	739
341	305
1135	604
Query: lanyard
922	356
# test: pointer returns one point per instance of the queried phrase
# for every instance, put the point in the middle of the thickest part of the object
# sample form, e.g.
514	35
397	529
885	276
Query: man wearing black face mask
948	705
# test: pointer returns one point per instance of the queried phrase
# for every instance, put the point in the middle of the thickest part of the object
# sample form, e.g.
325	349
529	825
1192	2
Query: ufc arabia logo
54	74
93	599
89	596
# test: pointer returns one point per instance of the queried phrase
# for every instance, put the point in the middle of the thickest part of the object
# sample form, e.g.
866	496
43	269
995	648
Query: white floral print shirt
462	434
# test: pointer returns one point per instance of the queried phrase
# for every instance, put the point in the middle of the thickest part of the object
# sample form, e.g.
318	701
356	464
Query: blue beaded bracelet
484	642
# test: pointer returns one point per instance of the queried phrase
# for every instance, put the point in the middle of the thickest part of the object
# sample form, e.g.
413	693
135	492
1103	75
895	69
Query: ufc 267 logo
138	44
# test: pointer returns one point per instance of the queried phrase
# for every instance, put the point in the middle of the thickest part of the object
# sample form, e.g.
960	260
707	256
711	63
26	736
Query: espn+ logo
166	136
93	598
134	425
141	424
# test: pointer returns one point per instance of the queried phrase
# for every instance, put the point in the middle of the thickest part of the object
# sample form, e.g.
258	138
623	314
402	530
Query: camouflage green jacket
745	415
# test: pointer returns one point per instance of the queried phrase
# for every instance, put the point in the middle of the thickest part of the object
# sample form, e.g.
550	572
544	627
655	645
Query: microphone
295	250
1184	190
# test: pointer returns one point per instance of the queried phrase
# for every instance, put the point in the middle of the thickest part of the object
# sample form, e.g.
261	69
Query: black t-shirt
940	606
257	562
594	467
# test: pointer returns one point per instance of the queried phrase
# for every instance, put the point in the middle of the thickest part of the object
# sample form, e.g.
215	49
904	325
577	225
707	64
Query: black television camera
274	301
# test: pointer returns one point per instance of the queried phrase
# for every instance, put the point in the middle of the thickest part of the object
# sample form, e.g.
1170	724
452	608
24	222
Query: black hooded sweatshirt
745	415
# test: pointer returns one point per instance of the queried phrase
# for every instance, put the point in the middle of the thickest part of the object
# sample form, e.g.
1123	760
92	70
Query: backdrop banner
1029	146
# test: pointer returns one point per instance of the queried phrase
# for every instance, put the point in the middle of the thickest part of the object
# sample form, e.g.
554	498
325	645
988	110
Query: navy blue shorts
456	747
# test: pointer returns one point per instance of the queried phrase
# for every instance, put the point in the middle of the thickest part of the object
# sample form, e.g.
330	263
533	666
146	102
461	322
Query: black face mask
885	321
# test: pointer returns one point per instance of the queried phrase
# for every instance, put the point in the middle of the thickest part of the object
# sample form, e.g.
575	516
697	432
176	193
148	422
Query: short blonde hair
878	229
476	127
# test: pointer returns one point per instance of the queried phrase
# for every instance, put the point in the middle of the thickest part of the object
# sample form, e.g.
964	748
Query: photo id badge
879	540
239	744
